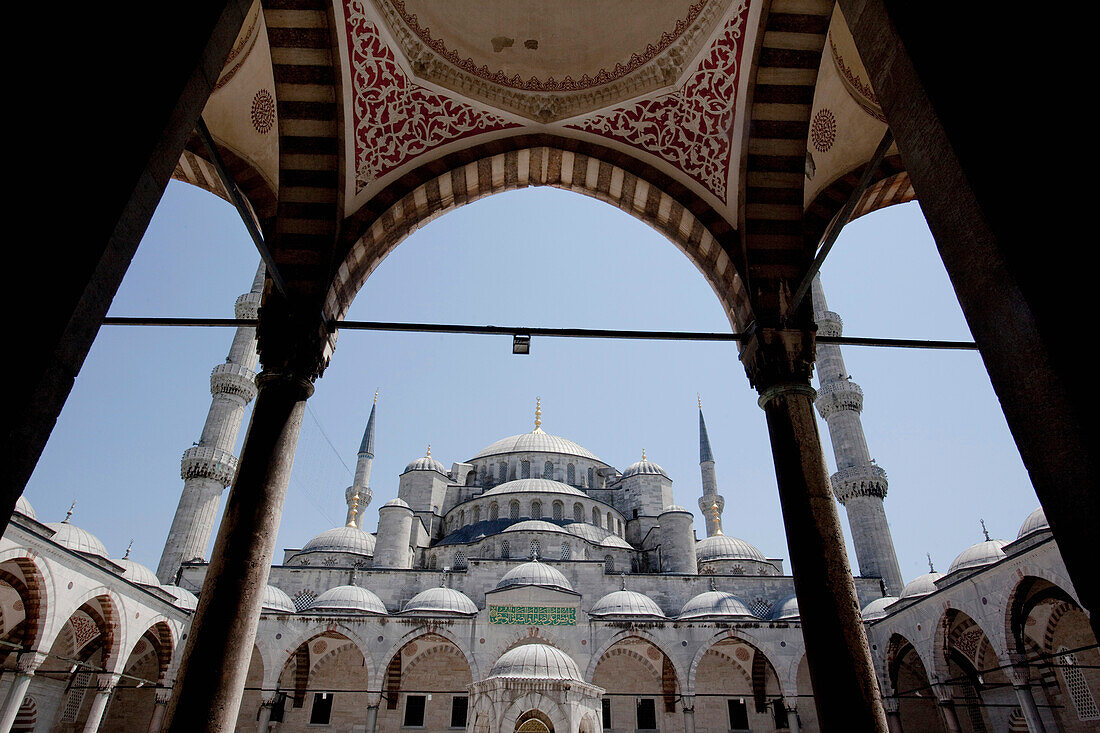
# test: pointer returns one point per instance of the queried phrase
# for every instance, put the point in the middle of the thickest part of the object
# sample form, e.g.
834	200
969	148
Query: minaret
858	483
359	492
210	465
710	503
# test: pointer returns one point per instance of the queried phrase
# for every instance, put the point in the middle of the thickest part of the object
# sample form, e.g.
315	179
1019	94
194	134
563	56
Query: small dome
137	573
536	661
722	547
534	485
586	531
24	507
626	603
674	508
536	442
1035	521
614	540
427	463
348	599
716	603
644	467
277	600
786	609
534	525
534	573
185	599
397	501
77	539
876	609
921	585
342	539
983	553
440	601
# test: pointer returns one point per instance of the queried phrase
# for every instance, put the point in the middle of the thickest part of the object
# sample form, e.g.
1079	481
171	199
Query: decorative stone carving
865	480
208	462
834	397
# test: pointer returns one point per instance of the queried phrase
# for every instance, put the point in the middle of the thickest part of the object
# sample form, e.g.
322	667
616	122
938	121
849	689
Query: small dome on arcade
644	467
77	539
534	573
185	599
876	609
348	599
536	661
342	539
627	603
921	585
136	572
534	525
24	507
983	553
716	604
723	547
440	600
277	600
1035	521
786	610
427	463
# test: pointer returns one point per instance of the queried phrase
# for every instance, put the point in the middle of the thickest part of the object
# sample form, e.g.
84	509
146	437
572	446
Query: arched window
548	470
432	562
460	561
503	472
578	512
566	551
494	511
477	514
608	564
591	478
525	469
559	511
587	554
504	552
619	524
571	474
536	509
462	518
513	510
595	516
535	549
471	478
610	526
481	475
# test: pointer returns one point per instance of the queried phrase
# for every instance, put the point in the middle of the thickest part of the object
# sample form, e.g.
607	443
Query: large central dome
536	442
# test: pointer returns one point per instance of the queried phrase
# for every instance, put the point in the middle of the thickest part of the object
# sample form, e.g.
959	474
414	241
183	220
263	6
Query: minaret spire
360	492
210	465
858	483
710	503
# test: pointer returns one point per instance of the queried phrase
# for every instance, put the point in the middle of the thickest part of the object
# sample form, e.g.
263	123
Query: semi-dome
716	603
185	599
440	601
137	573
536	661
77	539
277	600
427	463
627	603
534	525
342	539
983	553
921	585
614	540
536	442
24	507
644	467
1035	521
876	609
348	599
534	485
723	547
534	573
786	609
586	531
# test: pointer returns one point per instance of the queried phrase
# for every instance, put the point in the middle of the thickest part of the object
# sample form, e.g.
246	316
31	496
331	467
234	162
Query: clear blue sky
549	258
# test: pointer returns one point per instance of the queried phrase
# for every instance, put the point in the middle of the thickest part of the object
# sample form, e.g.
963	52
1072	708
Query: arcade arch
325	679
639	679
911	687
733	677
424	684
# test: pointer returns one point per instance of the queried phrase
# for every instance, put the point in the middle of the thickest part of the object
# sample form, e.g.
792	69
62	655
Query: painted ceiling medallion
691	127
823	130
395	119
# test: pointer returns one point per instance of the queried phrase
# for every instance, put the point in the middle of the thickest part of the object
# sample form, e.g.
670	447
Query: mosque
534	587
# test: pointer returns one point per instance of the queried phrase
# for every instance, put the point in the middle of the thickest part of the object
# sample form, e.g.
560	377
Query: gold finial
643	454
429	453
538	414
376	397
700	398
717	517
127	555
931	569
70	512
984	530
354	510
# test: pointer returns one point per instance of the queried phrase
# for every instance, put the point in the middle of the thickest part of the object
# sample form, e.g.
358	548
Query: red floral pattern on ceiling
534	84
692	127
84	629
395	119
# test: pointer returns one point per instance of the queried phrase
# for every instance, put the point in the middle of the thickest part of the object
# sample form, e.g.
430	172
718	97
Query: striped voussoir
890	186
539	166
195	168
781	101
303	231
29	631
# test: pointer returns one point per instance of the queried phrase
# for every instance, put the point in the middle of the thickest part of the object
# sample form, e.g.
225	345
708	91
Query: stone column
104	687
689	714
947	709
794	725
779	364
372	717
159	706
263	723
25	667
1029	708
893	715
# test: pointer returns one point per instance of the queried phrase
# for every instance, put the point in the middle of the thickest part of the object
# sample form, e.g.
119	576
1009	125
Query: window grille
504	551
76	697
1078	686
548	470
494	511
760	608
608	564
578	512
525	469
460	561
303	600
571	474
595	516
503	472
513	510
477	514
559	511
536	509
535	549
566	551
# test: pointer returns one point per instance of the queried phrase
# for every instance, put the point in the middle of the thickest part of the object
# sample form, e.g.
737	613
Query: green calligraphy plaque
533	615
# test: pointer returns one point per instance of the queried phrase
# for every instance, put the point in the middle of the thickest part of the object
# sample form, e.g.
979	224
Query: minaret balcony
247	305
839	396
828	323
203	461
865	480
230	378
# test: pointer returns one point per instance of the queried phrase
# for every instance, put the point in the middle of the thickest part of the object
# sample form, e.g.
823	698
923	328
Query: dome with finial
536	441
625	603
876	609
724	547
534	573
440	601
135	572
644	467
185	599
74	538
983	553
716	604
347	599
786	610
536	661
277	600
351	540
427	463
24	507
1035	521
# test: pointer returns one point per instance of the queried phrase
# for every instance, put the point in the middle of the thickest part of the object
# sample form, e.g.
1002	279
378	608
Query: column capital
163	695
778	357
105	683
293	338
29	662
890	704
